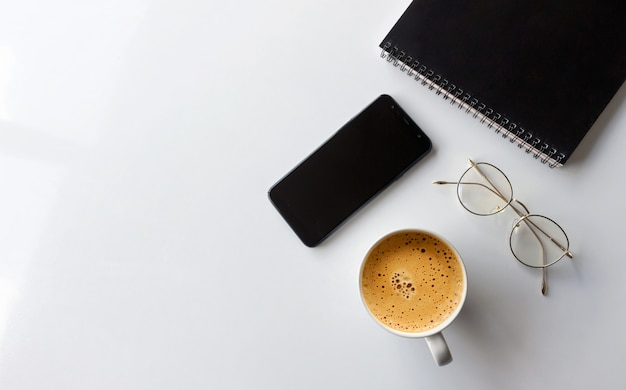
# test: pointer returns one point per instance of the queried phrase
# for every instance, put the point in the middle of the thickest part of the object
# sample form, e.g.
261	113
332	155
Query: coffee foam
412	282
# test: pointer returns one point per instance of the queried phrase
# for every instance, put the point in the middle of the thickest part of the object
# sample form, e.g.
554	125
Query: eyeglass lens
484	189
537	241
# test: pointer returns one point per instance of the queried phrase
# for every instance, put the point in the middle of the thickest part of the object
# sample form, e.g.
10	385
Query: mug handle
439	349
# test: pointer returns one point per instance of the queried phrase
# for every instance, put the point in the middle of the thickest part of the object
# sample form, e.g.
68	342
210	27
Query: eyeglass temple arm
534	226
544	270
495	192
493	187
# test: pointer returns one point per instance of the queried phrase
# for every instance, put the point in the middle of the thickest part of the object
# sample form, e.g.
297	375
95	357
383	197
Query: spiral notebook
539	72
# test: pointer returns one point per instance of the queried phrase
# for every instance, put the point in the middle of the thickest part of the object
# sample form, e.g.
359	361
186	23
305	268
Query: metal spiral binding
464	100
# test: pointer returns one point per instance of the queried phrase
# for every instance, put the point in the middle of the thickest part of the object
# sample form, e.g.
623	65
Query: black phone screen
359	161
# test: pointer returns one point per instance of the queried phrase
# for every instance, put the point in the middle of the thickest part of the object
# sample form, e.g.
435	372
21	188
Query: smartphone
358	162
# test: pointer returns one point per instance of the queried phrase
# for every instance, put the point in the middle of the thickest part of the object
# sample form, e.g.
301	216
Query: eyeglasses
536	241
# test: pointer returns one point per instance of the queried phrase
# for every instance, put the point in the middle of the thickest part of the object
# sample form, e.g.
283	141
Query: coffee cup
413	283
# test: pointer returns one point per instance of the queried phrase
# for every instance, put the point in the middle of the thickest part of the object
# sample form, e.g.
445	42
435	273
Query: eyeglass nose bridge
523	213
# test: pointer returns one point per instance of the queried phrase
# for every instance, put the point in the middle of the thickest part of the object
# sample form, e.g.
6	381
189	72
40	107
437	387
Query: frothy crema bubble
412	281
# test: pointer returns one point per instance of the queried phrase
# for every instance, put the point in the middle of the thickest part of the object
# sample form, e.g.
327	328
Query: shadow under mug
413	283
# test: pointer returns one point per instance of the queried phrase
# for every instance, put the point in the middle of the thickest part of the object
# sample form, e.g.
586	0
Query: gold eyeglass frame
524	214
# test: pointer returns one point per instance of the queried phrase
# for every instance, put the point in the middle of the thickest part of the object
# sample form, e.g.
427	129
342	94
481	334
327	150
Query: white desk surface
138	249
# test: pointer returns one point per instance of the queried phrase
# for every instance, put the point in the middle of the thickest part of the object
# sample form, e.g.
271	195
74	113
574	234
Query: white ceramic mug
413	283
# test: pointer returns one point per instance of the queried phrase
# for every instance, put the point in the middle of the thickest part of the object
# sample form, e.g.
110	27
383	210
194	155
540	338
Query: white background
138	249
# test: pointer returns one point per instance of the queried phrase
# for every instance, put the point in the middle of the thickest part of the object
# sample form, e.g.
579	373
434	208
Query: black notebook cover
539	72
